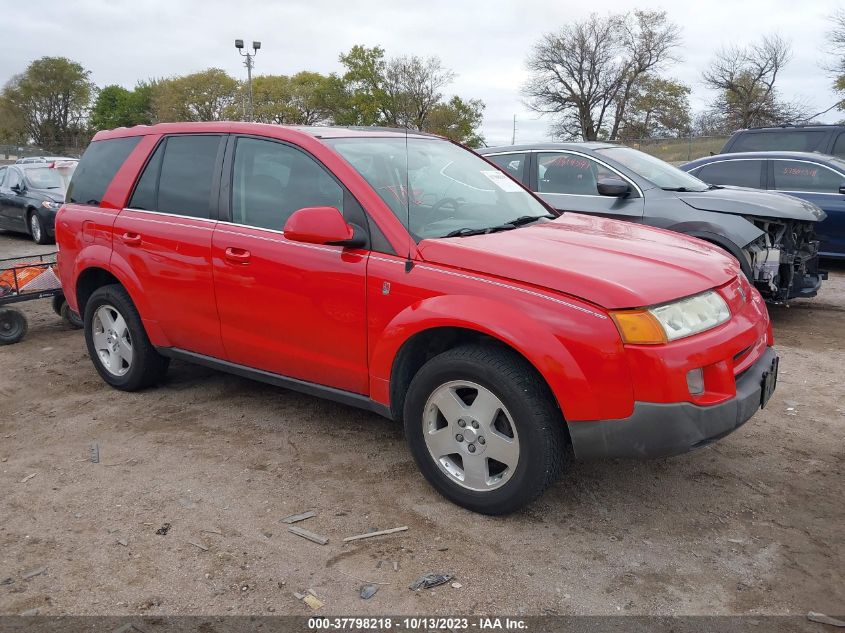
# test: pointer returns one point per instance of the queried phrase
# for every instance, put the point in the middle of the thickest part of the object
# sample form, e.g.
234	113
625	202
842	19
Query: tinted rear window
779	140
740	173
97	168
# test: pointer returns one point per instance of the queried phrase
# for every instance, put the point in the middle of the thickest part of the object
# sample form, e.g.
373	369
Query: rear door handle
238	255
131	239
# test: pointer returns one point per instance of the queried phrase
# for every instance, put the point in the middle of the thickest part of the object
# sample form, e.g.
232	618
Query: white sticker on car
502	181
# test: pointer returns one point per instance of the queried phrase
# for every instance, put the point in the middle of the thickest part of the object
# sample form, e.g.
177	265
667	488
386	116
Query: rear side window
513	164
2	175
179	177
97	168
779	140
839	146
739	173
793	175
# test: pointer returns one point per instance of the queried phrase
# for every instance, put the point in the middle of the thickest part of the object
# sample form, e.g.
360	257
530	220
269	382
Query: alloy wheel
35	227
112	340
470	435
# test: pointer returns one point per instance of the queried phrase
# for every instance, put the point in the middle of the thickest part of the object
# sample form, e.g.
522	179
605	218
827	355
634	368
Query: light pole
249	63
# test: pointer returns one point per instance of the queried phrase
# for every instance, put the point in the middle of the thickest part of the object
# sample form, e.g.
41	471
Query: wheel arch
433	326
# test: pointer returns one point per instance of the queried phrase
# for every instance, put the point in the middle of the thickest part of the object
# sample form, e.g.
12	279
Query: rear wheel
37	230
117	342
484	428
13	326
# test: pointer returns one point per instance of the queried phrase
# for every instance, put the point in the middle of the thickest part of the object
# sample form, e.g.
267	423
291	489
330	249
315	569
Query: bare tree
836	42
745	79
585	74
414	86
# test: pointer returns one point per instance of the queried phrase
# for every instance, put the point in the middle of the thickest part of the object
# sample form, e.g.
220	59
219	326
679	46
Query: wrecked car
771	235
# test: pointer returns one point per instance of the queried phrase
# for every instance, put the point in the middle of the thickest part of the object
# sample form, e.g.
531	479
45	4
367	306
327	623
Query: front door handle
131	239
237	255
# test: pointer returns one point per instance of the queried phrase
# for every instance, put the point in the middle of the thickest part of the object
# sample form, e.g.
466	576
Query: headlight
49	204
671	321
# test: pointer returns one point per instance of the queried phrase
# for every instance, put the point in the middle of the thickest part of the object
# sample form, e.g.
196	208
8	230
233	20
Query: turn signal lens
639	327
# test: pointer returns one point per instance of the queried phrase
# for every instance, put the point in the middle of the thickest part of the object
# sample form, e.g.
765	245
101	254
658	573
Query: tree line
55	105
606	77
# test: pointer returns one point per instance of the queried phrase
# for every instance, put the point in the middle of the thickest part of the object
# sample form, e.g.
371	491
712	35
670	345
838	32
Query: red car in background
406	275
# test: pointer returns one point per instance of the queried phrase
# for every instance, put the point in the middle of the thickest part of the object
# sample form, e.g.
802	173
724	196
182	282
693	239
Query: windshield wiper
526	219
504	226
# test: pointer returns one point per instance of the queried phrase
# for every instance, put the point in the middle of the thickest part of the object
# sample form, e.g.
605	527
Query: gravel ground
751	525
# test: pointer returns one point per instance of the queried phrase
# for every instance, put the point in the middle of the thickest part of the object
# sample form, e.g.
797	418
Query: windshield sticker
502	181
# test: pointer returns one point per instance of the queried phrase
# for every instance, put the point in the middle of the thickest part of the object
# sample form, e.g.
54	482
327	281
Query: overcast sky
484	42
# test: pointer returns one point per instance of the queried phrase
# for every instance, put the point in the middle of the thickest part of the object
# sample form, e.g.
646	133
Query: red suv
406	275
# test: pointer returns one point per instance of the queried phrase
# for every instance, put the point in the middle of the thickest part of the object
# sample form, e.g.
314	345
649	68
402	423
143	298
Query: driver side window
13	178
572	174
272	180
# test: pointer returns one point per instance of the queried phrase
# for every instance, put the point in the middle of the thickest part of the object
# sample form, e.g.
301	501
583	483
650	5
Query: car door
3	195
286	307
820	185
164	238
13	208
567	181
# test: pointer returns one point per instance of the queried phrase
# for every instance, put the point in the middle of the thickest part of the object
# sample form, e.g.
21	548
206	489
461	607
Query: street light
249	63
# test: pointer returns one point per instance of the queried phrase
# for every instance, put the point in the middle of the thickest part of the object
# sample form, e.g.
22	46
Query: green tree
49	101
836	41
116	106
458	120
364	79
210	95
656	107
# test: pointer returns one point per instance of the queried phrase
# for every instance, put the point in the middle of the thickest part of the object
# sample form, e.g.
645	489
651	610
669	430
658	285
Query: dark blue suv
818	178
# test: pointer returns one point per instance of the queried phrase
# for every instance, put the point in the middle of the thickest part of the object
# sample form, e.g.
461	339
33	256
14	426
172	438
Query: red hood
609	263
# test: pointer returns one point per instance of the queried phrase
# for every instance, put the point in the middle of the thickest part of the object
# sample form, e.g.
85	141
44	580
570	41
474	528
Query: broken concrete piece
378	533
311	536
821	618
296	518
33	573
368	591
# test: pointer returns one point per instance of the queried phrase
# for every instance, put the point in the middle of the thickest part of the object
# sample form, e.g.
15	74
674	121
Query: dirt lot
752	525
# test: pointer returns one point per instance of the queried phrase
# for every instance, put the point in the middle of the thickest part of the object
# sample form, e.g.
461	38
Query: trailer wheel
71	317
58	302
13	326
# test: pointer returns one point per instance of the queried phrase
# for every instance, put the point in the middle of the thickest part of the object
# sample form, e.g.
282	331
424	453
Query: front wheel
37	230
484	428
117	342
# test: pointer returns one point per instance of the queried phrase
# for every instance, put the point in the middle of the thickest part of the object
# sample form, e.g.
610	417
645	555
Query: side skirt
294	384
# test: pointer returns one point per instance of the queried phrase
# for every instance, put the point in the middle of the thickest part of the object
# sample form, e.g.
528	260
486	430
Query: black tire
13	326
70	317
57	303
147	366
543	445
40	232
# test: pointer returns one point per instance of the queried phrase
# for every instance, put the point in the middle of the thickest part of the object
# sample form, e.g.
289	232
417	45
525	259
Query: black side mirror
615	187
18	188
842	189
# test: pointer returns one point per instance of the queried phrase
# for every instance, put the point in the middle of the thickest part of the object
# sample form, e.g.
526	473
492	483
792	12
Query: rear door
567	181
820	185
289	308
164	235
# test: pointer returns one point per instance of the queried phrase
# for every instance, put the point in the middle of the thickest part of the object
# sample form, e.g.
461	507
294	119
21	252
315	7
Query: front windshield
451	189
654	170
44	178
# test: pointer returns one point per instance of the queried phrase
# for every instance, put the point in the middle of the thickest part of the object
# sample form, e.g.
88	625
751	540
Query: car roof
585	145
234	127
792	126
761	155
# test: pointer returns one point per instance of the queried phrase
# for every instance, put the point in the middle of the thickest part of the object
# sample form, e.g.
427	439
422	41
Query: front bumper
661	430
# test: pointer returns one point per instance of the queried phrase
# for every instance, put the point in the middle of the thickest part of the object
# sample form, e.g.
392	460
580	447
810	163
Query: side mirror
18	188
323	225
842	189
615	187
